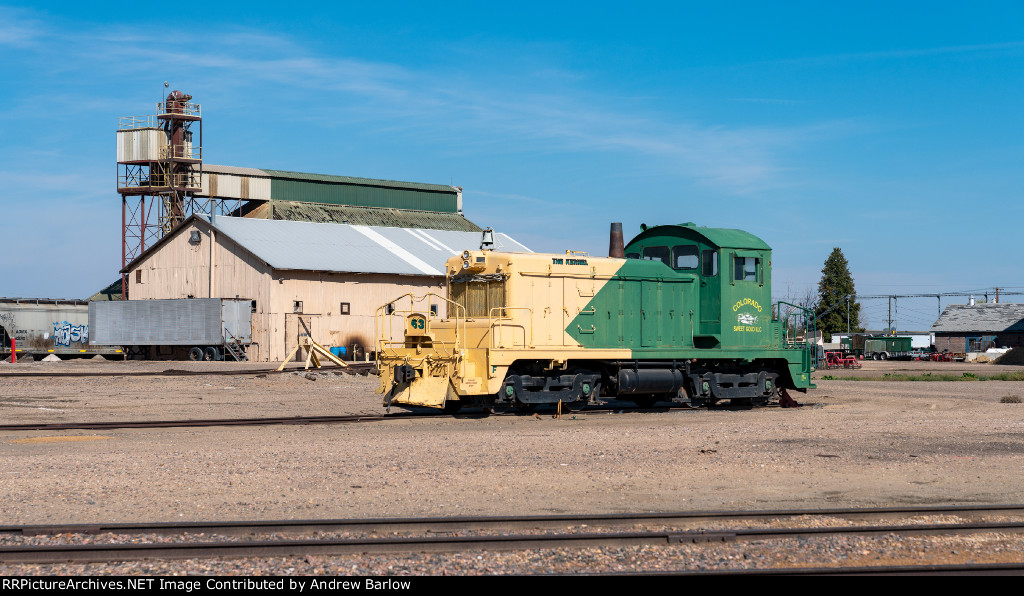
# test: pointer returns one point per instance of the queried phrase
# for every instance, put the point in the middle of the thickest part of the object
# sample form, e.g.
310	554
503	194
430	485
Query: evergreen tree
835	285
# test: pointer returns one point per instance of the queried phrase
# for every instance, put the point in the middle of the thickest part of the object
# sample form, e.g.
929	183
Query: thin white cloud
17	29
1013	46
506	113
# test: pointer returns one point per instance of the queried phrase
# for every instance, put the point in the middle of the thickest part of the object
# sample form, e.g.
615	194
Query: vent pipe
616	250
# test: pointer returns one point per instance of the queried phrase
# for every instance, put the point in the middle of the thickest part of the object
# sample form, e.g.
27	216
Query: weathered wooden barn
329	277
964	328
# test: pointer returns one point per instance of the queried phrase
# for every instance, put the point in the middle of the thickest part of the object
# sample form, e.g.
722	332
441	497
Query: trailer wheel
195	354
211	354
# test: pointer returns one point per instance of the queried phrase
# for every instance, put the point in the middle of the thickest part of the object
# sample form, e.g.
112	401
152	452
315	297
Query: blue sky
890	130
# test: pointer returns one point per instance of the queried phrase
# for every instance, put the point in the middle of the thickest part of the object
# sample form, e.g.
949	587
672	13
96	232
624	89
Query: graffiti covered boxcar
43	326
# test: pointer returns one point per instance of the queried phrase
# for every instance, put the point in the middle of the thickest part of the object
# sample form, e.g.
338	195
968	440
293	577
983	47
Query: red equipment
839	360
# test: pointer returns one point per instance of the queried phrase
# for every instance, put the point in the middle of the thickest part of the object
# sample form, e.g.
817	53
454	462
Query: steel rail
265	548
293	420
972	569
371	545
359	368
470	413
514	521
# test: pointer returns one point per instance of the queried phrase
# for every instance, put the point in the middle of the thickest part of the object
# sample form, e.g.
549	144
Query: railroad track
381	536
360	368
342	419
295	420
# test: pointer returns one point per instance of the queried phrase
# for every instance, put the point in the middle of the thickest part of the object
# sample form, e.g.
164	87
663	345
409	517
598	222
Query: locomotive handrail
387	346
496	320
809	326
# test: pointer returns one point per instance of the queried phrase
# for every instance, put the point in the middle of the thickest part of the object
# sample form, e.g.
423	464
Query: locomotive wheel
645	401
702	402
760	401
571	406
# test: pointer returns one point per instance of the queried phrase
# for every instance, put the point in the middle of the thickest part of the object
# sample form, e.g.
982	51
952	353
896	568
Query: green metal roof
368	216
366	192
111	292
284	174
720	237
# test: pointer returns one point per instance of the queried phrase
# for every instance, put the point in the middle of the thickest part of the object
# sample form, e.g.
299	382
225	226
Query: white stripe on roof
446	247
398	250
309	246
421	238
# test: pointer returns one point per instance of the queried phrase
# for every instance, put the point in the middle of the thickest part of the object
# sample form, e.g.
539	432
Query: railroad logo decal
741	303
747	321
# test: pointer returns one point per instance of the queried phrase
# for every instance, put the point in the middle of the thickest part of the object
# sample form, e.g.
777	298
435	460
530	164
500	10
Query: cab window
747	268
685	257
709	260
656	253
632	255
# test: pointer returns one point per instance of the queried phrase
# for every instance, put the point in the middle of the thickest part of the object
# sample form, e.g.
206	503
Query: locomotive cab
734	270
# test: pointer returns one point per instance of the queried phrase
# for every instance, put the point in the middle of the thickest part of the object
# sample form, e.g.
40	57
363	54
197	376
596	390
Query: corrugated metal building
966	328
297	196
329	277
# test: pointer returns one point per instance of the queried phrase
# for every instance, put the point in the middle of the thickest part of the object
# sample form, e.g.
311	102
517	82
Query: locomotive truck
681	313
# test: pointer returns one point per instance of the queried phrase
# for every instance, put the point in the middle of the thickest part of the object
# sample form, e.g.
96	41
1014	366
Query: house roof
983	318
309	246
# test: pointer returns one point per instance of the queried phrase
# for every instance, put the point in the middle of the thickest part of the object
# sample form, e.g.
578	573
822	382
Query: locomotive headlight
465	255
465	264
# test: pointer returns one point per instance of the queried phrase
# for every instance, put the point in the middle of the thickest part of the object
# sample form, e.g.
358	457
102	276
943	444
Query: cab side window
709	261
747	268
656	253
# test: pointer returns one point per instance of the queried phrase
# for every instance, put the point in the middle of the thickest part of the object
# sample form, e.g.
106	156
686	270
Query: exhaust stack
616	249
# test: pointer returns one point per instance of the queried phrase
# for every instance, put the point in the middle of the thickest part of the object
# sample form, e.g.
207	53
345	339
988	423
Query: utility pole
997	294
890	312
847	314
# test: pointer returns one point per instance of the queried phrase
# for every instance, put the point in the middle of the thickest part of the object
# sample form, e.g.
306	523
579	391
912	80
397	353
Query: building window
138	276
433	309
344	308
253	306
297	306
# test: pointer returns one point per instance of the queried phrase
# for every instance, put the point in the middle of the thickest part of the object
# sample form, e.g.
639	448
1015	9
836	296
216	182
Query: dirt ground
854	443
